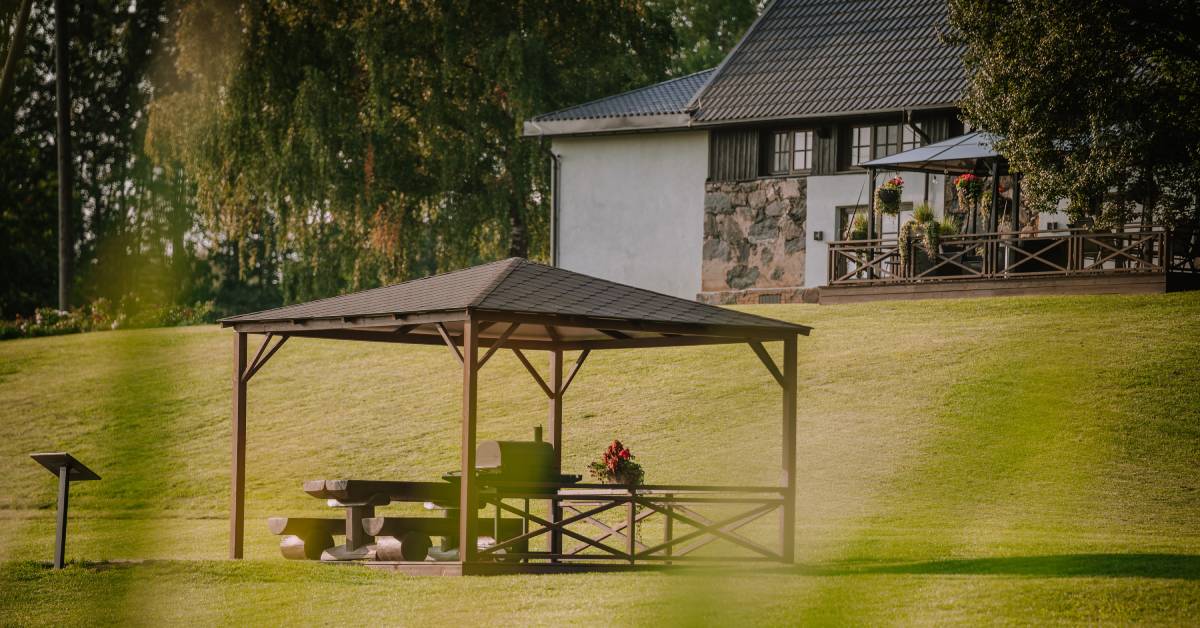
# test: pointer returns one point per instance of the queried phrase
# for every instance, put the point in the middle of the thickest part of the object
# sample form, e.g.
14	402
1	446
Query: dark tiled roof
826	57
517	285
662	98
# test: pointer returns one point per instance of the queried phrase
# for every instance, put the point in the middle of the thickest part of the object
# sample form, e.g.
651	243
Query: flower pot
888	200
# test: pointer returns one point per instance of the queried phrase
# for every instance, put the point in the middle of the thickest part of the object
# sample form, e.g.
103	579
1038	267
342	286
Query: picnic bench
369	537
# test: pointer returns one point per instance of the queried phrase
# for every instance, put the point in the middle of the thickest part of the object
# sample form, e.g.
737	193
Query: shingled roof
662	105
517	286
800	59
806	58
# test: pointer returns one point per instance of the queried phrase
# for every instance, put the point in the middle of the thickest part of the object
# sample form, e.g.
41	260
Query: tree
707	30
381	141
1095	101
134	232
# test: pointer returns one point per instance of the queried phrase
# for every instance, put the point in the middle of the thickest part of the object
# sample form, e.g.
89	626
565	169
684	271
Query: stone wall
754	237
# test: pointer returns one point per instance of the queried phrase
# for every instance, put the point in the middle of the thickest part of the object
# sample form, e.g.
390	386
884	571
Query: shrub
101	315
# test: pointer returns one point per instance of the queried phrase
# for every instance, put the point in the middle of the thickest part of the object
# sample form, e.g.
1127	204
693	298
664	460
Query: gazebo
973	153
523	306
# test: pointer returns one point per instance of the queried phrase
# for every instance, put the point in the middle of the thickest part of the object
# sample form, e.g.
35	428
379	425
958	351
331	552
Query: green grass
1031	461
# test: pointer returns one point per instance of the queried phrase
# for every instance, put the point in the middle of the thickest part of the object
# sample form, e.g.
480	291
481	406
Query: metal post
237	514
994	218
870	220
1016	202
788	518
60	535
467	498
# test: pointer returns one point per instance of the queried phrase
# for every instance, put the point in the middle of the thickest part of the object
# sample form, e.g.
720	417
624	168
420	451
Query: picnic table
371	537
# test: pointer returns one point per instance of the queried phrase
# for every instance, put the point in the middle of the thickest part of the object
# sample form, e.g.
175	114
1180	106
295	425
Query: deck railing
1003	255
601	522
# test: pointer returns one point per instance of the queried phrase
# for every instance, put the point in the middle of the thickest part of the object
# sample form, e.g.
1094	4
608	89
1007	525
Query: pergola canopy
958	155
544	308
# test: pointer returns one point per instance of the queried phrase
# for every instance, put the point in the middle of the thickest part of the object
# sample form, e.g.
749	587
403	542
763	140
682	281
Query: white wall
827	193
631	208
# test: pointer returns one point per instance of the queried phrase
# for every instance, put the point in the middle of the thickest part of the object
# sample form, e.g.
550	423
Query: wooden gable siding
825	150
740	154
733	154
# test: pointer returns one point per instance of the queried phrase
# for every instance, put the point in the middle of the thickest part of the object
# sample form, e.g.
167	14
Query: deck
1141	259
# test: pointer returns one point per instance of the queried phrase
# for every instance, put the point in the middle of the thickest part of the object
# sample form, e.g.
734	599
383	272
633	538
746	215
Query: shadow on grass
1166	566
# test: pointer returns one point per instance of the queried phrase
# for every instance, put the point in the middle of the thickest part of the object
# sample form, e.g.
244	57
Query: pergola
520	306
973	153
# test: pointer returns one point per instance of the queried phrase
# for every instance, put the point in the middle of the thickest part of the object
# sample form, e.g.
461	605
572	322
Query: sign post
68	470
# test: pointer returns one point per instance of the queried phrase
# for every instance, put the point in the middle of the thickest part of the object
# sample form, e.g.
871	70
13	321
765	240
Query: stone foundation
754	237
760	295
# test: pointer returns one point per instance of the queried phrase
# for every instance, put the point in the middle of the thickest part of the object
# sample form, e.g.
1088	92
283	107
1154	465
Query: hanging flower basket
969	188
887	197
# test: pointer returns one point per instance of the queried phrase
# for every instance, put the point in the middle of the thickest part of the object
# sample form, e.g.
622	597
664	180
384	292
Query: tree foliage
1096	101
255	152
370	142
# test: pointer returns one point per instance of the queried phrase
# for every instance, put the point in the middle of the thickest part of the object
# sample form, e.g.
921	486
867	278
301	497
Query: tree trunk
66	244
15	48
518	233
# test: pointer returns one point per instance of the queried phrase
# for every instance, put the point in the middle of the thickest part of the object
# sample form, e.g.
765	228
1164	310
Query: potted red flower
616	466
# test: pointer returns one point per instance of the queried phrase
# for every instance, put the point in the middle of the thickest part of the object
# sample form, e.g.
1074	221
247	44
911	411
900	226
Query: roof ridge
513	263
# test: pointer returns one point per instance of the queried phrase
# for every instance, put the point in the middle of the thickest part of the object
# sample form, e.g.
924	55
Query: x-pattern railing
686	529
1007	255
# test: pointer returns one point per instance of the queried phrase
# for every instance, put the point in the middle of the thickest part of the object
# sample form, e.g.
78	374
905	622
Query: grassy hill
1012	460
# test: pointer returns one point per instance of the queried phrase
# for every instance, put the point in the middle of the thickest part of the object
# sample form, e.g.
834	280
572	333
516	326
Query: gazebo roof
549	304
957	154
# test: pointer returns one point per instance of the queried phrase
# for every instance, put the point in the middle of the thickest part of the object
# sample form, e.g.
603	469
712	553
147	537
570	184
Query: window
802	150
909	138
790	151
780	152
887	140
860	145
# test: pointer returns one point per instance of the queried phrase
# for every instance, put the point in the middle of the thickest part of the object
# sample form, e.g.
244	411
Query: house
732	184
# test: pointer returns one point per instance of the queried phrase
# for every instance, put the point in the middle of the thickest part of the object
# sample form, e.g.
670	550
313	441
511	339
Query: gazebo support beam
537	377
556	436
450	340
787	523
467	497
498	343
260	360
767	361
238	472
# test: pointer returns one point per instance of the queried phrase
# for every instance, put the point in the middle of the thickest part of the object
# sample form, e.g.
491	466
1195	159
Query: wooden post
630	529
556	415
238	476
60	531
467	497
787	536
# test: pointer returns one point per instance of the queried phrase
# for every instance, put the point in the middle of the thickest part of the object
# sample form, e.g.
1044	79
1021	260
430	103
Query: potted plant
887	197
919	240
616	466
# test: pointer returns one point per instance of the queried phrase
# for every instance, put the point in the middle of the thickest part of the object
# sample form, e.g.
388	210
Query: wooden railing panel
1002	255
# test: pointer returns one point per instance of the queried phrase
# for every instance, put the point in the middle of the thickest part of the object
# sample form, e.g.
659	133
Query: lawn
1020	460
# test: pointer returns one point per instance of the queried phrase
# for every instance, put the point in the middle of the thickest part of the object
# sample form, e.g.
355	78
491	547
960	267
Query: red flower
625	454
